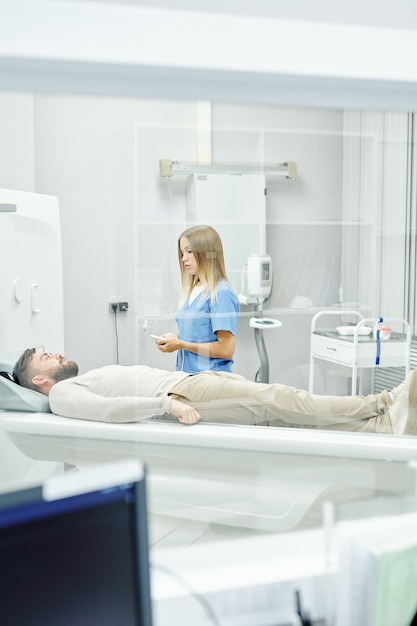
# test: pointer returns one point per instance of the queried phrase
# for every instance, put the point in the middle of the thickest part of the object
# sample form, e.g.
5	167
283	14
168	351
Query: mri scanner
247	477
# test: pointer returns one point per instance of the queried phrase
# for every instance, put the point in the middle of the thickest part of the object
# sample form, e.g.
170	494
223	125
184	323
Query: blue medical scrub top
198	322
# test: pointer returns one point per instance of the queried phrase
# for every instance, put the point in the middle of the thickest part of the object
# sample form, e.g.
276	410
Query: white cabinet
235	206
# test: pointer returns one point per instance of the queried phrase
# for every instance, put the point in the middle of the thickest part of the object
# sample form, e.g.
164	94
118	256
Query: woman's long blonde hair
207	247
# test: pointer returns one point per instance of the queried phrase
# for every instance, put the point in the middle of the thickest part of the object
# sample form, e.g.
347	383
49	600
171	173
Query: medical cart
351	347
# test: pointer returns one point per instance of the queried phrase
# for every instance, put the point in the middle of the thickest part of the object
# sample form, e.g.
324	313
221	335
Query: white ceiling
334	56
379	13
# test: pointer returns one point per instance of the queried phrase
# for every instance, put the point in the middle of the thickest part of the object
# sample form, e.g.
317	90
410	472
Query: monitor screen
75	559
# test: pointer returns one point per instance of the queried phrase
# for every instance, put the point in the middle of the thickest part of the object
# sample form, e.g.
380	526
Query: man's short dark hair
21	370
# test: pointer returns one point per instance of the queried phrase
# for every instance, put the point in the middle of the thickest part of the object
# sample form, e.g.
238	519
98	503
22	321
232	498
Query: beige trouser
232	399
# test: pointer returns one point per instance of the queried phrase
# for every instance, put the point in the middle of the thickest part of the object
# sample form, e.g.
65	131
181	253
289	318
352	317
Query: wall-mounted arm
168	168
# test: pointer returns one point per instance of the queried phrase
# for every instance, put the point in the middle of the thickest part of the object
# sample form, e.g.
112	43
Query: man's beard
66	370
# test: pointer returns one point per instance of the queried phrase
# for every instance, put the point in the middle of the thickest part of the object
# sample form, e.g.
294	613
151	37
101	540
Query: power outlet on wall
118	307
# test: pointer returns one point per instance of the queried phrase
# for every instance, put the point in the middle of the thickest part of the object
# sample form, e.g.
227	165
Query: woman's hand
223	348
169	343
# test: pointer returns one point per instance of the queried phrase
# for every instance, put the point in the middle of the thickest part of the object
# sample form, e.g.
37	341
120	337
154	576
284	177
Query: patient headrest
13	397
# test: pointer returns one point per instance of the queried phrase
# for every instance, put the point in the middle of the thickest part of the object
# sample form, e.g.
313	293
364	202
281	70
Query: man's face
53	365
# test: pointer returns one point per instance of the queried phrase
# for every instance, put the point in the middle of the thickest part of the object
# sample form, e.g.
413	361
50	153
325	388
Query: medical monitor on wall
75	550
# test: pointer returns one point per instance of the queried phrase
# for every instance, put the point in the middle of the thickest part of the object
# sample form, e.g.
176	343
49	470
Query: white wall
17	152
120	220
87	153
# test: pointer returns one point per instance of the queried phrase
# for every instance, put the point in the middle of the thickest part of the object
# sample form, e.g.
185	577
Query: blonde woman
209	309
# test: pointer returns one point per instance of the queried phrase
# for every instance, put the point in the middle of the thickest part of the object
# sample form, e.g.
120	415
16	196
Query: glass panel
340	236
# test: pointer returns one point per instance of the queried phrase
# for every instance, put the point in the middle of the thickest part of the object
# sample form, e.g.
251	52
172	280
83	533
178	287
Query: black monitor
75	550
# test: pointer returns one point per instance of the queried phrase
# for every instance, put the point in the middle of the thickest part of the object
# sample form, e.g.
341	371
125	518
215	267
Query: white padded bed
262	478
